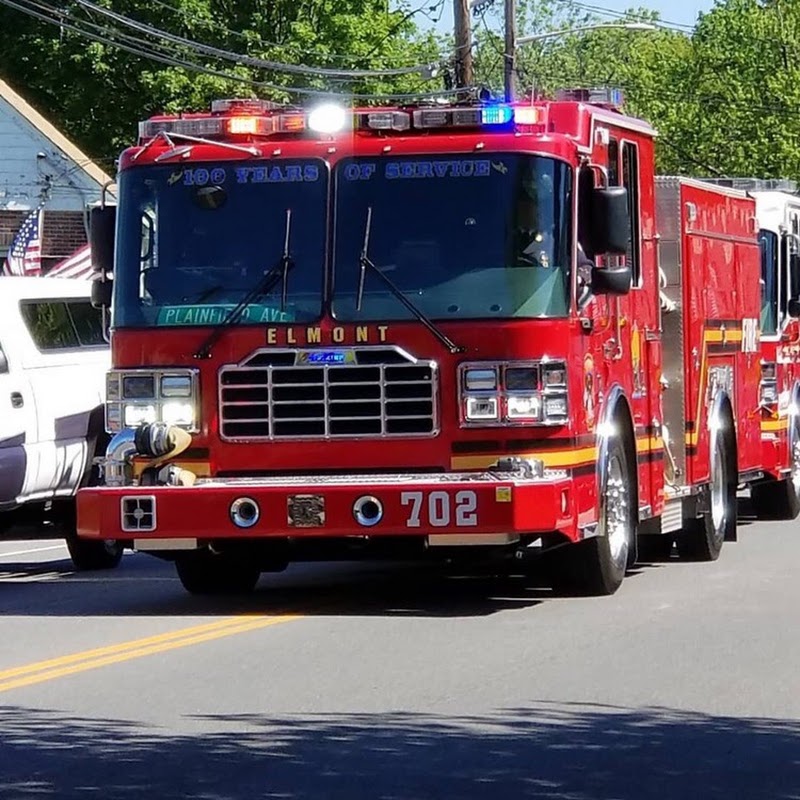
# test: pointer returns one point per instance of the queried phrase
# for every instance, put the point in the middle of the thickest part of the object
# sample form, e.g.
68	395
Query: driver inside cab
532	242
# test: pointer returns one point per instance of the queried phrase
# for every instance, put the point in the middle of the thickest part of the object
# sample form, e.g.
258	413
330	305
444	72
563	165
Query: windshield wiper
271	278
364	261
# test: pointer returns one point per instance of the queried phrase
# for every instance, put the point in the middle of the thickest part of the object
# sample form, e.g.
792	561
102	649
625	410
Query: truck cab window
3	361
768	243
63	325
613	162
789	279
630	180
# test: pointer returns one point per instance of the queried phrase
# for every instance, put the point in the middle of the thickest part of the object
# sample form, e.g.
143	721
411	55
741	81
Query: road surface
358	681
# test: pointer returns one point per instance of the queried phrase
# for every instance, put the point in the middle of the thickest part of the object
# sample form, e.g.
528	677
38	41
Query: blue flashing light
497	115
327	357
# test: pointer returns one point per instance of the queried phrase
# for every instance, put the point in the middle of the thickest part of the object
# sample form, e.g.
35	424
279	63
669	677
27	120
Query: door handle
17	400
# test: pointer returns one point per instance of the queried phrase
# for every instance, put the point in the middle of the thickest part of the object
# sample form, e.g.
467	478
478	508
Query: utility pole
509	64
463	36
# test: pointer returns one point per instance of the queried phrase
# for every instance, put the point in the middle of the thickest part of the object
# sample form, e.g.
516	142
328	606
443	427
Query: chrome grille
368	392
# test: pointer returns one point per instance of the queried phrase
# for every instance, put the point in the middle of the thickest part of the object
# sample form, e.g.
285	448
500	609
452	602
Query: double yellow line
53	668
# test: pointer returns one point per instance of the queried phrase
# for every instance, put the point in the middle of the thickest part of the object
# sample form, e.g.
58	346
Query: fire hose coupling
158	441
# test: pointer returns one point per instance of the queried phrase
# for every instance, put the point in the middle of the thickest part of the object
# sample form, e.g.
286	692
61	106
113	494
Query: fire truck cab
419	330
778	210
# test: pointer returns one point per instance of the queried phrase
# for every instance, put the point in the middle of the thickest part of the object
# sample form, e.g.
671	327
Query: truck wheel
702	539
597	566
204	573
91	554
779	499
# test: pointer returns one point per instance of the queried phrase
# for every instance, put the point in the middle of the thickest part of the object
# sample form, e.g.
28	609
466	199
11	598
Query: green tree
743	89
96	91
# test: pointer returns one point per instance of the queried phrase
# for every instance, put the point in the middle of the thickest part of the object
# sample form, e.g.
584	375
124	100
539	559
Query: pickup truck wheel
204	573
89	555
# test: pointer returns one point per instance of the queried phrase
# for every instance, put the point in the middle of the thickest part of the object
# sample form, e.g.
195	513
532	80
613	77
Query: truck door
17	432
67	375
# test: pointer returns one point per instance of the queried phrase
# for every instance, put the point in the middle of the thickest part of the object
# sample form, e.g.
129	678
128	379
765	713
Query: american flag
78	265
25	254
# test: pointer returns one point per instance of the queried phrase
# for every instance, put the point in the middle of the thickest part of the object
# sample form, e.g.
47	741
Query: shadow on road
143	587
546	750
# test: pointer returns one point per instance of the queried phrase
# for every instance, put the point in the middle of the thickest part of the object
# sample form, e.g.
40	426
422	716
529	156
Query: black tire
775	499
655	547
92	554
702	539
597	566
203	573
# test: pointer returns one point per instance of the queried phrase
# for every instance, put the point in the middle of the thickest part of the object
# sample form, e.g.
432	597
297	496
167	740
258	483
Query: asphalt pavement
395	681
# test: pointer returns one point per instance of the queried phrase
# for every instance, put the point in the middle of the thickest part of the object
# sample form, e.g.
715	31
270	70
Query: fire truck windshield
473	236
195	239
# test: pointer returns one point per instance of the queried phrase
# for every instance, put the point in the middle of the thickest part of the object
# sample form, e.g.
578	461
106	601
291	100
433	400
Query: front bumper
441	505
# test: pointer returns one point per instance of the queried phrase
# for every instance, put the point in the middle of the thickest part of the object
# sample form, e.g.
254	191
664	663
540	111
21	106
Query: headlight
521	379
139	414
176	386
480	379
481	408
176	413
138	397
514	393
523	408
136	387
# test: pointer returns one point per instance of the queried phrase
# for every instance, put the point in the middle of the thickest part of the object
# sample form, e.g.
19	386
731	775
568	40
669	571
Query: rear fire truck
420	330
778	211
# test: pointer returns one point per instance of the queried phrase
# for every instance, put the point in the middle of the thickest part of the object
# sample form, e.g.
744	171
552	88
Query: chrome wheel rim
795	473
718	491
616	511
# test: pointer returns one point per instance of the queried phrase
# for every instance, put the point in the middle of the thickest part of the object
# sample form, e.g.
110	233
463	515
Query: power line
425	10
275	66
57	18
609	12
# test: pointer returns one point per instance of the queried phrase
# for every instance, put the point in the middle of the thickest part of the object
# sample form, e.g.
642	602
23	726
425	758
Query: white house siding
35	156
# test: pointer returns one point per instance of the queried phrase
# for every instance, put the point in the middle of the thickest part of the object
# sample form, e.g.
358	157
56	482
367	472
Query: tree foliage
723	97
96	91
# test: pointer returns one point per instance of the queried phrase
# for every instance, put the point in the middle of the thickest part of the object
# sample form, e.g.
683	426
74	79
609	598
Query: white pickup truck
53	360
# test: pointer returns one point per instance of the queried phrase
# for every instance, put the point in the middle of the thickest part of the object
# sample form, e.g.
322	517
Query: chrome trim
158	373
605	432
358	511
558	390
138	513
269	404
240	519
117	465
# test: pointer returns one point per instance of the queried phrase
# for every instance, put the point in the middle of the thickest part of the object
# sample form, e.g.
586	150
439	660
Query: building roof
48	130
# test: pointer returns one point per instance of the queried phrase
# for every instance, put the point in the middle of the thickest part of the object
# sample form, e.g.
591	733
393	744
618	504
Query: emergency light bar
259	118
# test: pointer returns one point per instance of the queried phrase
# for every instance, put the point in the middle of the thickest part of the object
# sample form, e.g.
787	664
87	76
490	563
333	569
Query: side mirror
102	225
101	293
609	223
611	280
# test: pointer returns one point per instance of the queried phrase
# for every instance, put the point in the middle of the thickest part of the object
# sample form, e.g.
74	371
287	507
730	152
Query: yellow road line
50	669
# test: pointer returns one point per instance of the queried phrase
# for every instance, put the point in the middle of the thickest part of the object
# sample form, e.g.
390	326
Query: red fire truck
423	330
778	210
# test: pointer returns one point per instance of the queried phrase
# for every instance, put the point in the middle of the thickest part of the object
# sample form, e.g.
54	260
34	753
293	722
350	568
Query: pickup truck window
63	324
3	361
